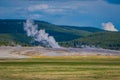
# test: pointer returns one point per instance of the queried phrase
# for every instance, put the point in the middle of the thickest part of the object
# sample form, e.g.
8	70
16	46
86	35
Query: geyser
39	35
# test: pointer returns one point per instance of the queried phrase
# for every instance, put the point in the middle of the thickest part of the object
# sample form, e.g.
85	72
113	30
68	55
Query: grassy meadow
61	68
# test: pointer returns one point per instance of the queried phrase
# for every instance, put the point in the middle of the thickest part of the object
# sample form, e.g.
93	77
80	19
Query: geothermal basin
28	52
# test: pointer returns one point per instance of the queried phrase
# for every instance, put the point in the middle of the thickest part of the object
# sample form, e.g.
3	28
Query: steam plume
109	26
39	35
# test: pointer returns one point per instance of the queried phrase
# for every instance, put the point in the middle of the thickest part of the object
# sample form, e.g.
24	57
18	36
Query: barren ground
26	52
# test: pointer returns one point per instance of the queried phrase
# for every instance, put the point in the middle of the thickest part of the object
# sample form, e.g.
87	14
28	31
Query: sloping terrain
13	30
12	33
107	40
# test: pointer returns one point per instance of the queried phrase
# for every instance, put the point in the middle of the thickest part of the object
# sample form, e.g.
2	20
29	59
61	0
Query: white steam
109	26
39	35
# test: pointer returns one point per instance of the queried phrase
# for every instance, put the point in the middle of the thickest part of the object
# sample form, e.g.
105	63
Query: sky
93	13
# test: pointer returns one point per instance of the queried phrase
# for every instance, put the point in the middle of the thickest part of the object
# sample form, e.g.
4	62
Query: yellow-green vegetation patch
61	68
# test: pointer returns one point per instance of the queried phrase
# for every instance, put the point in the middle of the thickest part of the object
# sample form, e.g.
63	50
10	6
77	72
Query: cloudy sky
64	12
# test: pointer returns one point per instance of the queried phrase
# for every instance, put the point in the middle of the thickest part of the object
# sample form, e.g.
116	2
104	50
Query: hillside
12	33
10	27
107	40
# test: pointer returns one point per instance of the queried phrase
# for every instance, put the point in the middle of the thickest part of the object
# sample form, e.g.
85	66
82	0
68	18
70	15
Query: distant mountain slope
60	33
84	28
12	39
107	40
12	32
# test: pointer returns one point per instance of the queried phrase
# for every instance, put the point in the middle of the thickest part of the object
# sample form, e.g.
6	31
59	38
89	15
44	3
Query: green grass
61	68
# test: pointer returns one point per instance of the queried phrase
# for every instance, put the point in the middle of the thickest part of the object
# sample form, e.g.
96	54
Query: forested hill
60	33
11	33
106	40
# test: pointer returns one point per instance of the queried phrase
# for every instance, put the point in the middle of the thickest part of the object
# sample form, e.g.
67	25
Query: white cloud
35	16
45	8
54	10
38	7
56	7
109	26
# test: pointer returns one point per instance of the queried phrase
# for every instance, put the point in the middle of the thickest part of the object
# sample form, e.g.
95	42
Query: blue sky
64	12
